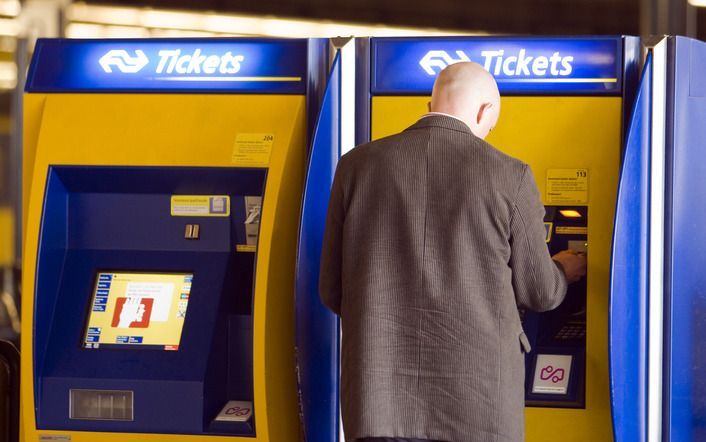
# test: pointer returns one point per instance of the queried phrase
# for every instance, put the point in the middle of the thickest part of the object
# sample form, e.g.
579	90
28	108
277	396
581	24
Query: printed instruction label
252	150
200	205
571	230
567	186
246	248
54	437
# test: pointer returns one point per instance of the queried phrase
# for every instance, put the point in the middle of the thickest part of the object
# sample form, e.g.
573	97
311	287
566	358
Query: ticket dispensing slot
113	242
555	369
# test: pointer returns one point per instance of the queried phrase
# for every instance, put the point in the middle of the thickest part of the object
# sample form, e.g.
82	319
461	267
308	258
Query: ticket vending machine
163	184
564	105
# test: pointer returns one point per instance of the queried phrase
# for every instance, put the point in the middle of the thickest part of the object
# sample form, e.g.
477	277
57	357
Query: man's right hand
572	263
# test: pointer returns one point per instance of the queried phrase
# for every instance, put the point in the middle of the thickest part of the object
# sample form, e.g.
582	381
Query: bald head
468	92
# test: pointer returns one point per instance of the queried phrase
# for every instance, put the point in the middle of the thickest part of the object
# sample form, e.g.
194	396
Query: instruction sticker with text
200	205
567	186
252	150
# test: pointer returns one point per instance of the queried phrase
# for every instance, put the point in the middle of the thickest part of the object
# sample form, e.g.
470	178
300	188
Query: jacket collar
442	121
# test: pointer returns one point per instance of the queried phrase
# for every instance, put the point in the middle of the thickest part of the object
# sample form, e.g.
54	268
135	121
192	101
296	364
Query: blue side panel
632	60
317	329
629	275
685	276
51	257
317	70
362	88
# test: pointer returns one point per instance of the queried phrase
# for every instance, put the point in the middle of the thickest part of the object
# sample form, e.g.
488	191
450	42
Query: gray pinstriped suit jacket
433	239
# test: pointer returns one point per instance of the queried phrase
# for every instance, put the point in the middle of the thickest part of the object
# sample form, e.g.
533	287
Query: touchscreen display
139	310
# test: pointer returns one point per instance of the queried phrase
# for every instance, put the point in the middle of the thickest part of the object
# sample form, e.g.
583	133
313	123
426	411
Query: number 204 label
252	149
567	186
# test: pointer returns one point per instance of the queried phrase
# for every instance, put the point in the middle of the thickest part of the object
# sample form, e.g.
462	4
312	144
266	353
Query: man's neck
432	114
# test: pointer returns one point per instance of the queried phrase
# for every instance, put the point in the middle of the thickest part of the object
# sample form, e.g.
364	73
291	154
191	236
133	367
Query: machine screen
139	310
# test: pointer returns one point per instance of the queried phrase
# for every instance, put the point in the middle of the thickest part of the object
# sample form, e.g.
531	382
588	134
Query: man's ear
484	108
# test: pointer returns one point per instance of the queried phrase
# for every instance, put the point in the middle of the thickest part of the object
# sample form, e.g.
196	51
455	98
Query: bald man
433	239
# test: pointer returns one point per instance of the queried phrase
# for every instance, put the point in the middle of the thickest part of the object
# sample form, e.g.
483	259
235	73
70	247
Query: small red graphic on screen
131	312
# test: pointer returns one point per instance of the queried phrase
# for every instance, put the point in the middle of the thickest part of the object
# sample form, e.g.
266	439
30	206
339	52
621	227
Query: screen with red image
142	307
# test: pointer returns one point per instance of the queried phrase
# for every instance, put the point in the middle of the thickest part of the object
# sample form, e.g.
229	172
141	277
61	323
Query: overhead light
698	3
8	75
9	27
570	213
227	25
10	8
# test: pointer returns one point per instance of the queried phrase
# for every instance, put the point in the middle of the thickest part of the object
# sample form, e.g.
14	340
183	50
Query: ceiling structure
542	17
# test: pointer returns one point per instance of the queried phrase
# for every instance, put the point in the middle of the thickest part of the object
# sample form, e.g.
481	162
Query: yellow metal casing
7	237
557	133
180	130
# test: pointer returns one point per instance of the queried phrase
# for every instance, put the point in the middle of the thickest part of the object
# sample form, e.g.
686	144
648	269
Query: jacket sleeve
332	250
539	283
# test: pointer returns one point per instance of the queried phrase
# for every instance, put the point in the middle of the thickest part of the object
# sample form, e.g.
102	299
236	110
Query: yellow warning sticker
252	150
567	186
548	228
246	248
571	230
200	205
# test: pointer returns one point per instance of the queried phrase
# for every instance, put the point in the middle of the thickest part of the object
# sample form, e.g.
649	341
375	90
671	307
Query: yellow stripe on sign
248	79
557	80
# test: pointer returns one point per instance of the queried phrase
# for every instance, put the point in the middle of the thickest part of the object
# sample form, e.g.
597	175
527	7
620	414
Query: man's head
468	92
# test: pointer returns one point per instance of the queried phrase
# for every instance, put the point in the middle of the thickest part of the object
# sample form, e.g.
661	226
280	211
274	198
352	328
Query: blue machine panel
629	276
166	65
685	248
317	329
552	66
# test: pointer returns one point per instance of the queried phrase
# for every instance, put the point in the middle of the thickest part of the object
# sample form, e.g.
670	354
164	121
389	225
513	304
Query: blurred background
22	22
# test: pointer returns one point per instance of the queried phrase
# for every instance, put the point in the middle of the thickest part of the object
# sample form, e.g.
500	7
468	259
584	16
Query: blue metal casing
317	328
684	388
118	219
629	276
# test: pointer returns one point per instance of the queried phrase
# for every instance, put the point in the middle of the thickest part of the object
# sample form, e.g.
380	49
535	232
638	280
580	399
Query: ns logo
435	61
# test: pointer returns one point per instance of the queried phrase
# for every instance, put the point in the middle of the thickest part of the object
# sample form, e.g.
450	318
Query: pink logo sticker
549	372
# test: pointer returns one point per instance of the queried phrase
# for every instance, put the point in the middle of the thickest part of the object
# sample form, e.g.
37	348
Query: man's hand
572	263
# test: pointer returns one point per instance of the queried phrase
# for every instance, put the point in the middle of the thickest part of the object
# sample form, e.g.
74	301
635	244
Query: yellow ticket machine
564	104
163	183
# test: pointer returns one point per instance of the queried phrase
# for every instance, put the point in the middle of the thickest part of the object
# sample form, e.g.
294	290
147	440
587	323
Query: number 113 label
567	186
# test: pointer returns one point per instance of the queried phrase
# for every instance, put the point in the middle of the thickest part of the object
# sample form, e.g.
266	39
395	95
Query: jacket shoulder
365	152
501	157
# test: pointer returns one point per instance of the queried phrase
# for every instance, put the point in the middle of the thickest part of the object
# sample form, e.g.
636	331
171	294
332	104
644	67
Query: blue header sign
169	65
520	65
